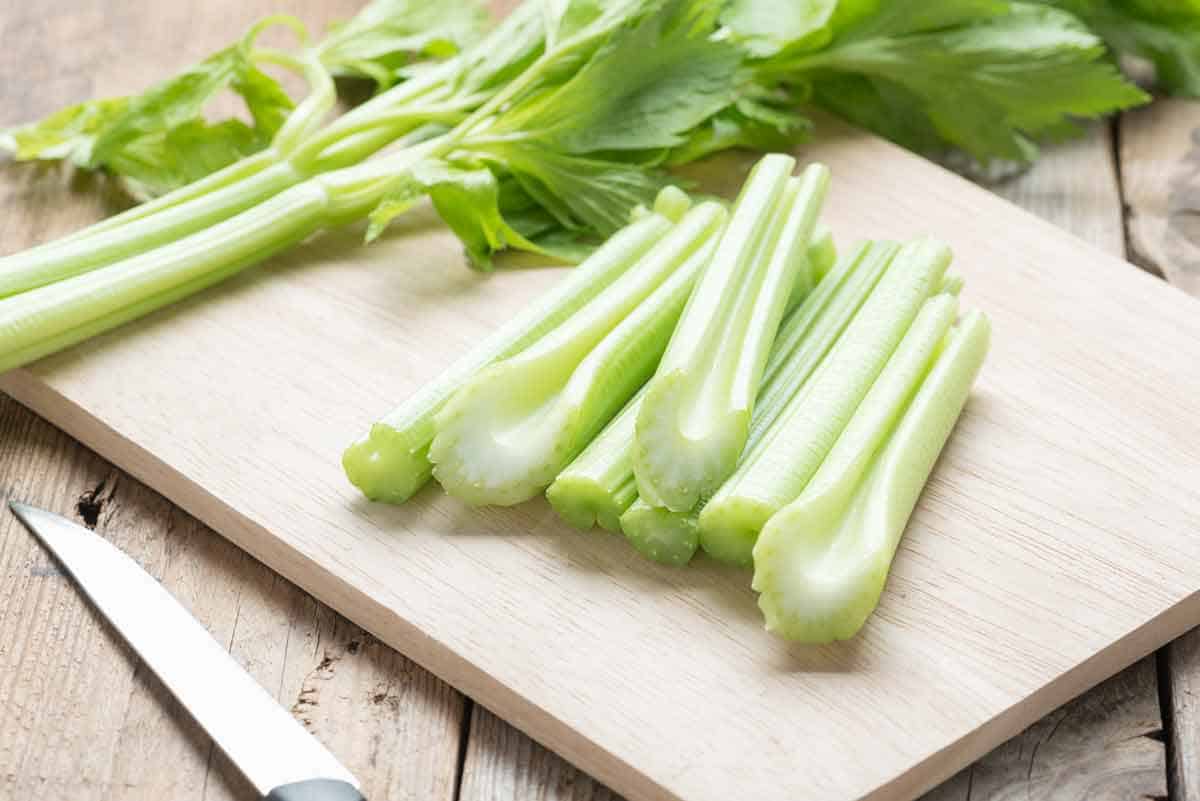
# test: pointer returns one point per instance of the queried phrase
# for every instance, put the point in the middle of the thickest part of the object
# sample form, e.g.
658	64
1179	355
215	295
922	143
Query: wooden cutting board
1058	541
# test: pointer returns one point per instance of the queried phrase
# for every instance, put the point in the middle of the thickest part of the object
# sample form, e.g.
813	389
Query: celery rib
791	450
822	561
391	462
695	418
599	486
505	435
663	536
45	320
803	340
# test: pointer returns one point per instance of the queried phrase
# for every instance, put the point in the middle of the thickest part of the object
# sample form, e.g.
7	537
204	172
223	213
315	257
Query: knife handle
316	790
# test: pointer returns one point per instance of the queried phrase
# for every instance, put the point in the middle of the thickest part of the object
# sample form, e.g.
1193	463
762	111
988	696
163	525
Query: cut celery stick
803	340
598	487
822	561
391	462
695	418
661	535
953	284
822	252
792	449
505	435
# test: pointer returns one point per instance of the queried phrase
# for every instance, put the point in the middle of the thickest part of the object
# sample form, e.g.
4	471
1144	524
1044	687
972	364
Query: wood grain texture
1160	173
1075	186
502	764
1106	745
1160	169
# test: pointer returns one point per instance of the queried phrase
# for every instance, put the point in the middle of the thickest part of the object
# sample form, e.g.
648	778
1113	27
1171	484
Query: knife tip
21	510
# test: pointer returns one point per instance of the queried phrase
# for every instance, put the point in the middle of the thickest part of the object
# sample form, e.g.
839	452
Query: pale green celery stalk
503	437
953	284
599	487
695	418
822	561
822	252
803	340
775	472
47	319
298	152
391	462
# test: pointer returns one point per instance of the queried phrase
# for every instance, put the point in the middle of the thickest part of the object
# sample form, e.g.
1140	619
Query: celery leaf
387	35
159	140
963	75
1167	34
765	27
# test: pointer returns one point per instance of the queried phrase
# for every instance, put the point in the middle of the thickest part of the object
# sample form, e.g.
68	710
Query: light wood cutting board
1058	541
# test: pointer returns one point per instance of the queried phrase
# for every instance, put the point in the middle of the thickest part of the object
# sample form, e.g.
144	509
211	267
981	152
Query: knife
275	753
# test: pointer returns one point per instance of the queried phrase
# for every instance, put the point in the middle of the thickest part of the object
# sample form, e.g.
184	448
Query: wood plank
502	764
1160	174
84	721
530	621
1160	166
1106	745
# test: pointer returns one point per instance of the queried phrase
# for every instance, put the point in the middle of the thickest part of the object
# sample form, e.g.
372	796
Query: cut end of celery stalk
729	530
674	466
384	467
584	503
663	536
822	252
821	570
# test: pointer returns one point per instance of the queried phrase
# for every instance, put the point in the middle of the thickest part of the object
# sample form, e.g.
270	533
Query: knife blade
275	753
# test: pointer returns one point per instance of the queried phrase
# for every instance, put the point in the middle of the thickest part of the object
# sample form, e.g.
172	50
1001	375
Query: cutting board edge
338	592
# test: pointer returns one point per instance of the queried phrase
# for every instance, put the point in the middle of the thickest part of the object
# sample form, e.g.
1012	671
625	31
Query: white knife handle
316	790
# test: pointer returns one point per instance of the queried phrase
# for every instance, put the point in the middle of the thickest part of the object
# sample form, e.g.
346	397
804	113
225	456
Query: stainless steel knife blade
279	757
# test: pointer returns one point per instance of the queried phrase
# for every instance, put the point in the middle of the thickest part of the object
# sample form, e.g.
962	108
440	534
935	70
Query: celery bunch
541	134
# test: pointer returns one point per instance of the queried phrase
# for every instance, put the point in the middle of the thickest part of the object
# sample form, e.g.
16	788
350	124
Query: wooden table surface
80	719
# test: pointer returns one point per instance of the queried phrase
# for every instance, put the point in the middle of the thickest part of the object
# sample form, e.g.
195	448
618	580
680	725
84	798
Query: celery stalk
598	487
391	462
952	284
50	318
695	418
803	340
822	561
784	460
57	261
822	252
505	435
670	538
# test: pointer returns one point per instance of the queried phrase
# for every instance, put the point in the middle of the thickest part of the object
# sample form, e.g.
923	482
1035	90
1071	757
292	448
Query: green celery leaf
387	35
68	134
581	192
646	87
988	86
766	27
159	140
857	20
761	119
469	200
1167	34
